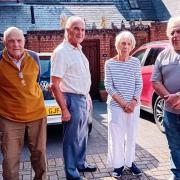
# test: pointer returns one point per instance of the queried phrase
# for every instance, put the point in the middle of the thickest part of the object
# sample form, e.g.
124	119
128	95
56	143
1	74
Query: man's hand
66	116
172	100
177	105
89	102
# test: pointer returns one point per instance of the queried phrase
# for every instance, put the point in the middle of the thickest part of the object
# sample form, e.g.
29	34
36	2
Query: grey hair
125	34
9	30
173	21
70	22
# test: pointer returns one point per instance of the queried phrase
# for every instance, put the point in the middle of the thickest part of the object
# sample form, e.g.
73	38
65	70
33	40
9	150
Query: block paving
152	154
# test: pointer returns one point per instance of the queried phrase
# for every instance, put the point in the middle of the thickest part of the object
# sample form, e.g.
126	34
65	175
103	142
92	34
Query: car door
142	54
147	68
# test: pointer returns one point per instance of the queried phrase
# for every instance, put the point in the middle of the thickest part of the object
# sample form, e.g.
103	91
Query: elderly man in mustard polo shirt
22	107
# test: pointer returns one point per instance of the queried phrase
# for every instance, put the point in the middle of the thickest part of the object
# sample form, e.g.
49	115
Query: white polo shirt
70	64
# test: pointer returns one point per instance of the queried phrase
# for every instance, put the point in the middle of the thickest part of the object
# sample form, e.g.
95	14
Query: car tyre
89	128
158	111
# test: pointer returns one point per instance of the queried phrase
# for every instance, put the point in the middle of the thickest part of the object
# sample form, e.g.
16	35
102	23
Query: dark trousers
172	130
75	134
12	141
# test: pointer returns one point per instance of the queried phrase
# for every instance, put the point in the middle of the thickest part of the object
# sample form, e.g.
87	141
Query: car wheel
159	113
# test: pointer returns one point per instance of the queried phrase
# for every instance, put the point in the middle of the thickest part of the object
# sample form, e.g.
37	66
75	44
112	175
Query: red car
150	101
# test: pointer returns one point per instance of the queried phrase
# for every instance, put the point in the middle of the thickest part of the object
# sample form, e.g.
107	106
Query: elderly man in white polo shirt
71	80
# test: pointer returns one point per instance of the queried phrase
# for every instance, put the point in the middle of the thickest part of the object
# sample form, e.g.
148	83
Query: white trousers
122	128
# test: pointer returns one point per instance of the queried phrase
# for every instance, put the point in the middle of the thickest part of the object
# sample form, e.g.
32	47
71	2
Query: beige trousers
12	142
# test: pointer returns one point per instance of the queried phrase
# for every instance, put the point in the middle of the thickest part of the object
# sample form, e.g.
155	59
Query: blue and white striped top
123	78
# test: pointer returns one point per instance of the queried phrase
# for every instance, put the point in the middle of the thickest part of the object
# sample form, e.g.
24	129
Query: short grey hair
9	30
173	21
125	34
70	22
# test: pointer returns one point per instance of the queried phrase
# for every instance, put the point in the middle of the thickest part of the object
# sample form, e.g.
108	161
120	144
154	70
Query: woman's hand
129	108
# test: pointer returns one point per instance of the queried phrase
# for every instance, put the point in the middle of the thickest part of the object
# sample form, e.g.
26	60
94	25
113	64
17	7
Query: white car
53	112
52	108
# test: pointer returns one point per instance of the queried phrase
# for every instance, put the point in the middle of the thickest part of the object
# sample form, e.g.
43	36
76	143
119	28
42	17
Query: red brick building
42	23
98	45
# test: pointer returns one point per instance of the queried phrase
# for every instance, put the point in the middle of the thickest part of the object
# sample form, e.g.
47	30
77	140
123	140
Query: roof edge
73	3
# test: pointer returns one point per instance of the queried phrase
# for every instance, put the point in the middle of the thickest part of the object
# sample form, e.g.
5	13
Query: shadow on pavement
144	159
147	116
97	149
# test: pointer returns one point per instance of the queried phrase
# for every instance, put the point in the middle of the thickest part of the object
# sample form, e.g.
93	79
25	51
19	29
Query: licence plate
53	110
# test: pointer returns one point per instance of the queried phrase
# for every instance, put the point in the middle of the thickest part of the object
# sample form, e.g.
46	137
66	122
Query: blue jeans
172	130
75	135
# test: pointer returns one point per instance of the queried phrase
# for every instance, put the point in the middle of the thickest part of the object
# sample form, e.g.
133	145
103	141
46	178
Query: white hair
127	35
70	21
173	21
9	30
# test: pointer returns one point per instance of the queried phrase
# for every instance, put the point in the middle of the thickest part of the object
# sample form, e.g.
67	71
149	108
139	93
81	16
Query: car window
152	55
45	69
45	66
45	77
140	54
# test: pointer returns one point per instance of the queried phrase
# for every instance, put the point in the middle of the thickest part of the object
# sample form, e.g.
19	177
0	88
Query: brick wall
158	31
46	41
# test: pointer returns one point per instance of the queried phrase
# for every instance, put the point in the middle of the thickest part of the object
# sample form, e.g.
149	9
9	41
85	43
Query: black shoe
88	168
78	178
135	170
118	172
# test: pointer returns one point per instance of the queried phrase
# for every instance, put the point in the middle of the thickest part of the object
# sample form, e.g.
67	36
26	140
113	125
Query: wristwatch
136	99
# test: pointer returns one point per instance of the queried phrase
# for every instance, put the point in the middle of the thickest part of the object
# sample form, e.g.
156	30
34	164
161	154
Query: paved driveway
151	152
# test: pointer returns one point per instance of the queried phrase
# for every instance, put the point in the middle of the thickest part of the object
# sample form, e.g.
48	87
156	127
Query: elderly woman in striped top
123	83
